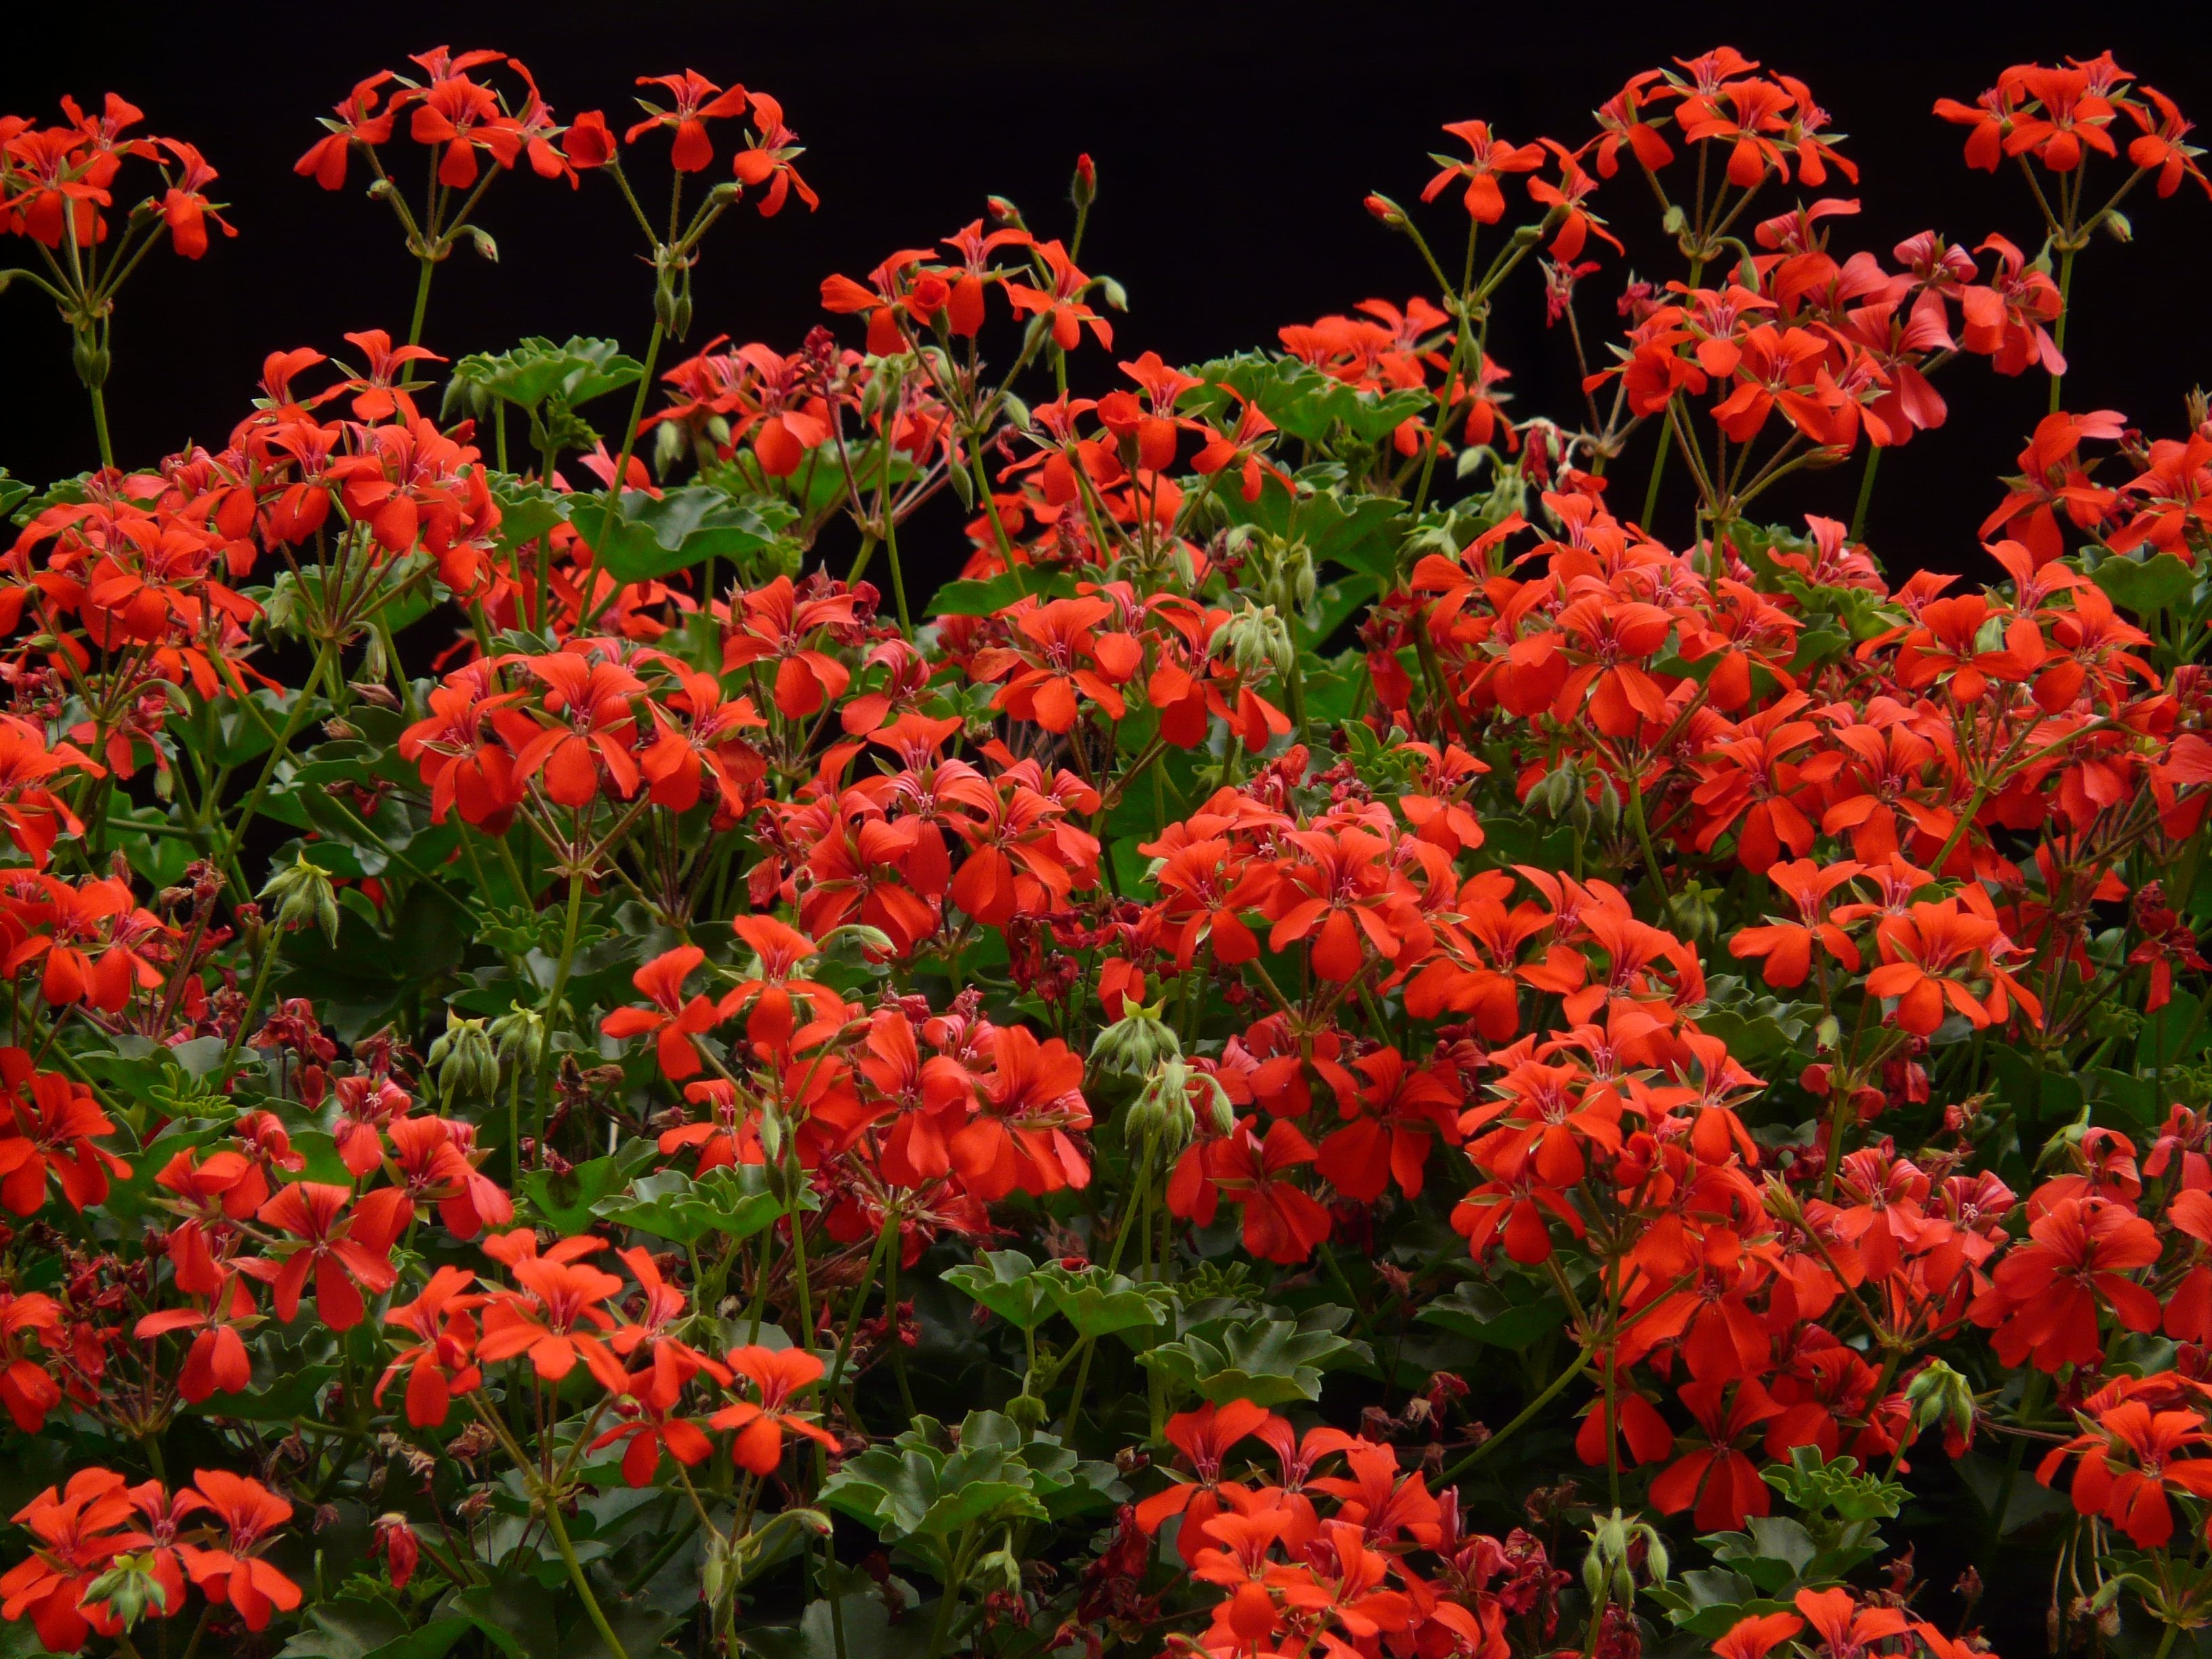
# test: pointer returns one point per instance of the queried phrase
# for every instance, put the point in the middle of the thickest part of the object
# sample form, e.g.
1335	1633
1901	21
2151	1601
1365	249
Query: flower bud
1137	1043
1386	211
1085	188
517	1035
589	143
303	896
1161	1114
464	1059
1940	1394
1257	640
394	1539
91	360
669	439
130	1588
720	1573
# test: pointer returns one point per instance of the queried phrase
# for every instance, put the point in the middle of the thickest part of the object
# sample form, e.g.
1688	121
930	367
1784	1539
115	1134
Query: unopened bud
91	360
1940	1394
130	1588
465	1059
302	897
1387	212
1085	188
1256	640
516	1035
1137	1043
1163	1117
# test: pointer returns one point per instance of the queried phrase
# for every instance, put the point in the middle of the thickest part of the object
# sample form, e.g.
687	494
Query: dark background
1234	143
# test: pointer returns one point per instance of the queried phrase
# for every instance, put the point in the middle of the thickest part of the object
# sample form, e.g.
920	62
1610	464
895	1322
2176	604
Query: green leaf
914	1492
370	1627
970	598
1267	1361
565	1202
524	1621
576	372
1006	1282
865	1623
527	511
735	1203
1303	402
2146	587
2038	1097
1707	1601
2176	1032
1756	1027
292	1394
657	536
1484	1311
2029	1500
1359	531
1099	1304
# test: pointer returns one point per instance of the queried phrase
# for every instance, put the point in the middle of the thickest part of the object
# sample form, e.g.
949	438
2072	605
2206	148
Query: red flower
1720	1481
2129	1463
558	1315
672	1021
1020	1137
1204	1437
1492	157
768	160
345	1254
51	1124
76	1530
442	1362
778	1374
1061	307
589	144
2048	1290
234	1575
1282	1223
697	100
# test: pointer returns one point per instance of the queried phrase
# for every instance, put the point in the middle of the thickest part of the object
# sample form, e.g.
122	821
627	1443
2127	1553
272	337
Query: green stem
253	1004
293	721
891	548
1533	1406
2031	1401
892	1339
1865	491
957	1571
421	300
560	1529
1651	489
2065	310
860	1303
622	464
553	1002
100	428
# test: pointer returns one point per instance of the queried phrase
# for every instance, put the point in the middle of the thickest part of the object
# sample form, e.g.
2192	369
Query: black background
1234	143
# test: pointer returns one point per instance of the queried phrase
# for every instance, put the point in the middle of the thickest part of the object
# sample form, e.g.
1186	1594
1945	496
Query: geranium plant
1396	1027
